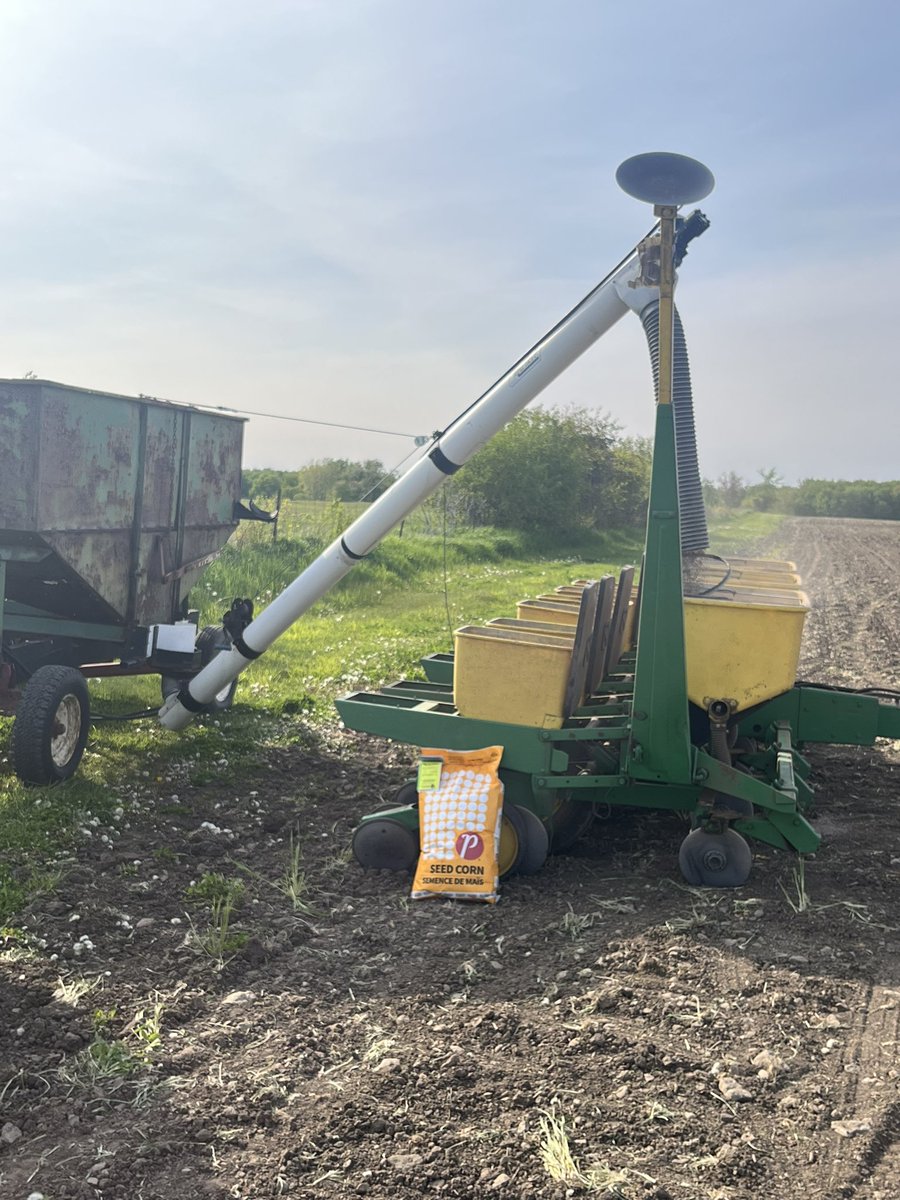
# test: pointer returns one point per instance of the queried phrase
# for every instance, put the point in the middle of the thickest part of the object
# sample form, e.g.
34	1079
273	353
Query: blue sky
366	210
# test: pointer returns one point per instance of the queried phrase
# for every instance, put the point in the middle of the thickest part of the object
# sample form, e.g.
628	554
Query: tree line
864	498
567	470
326	479
549	469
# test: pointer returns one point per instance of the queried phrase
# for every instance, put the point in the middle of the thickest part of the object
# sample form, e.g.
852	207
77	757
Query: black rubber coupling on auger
235	621
238	617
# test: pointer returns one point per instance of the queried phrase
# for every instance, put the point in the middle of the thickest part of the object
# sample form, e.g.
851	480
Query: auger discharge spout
556	351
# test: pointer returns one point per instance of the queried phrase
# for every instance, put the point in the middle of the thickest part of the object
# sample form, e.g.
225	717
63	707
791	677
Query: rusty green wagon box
111	506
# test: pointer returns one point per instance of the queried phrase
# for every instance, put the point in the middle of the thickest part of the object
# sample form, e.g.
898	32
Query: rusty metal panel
18	454
214	464
88	463
160	467
104	481
100	560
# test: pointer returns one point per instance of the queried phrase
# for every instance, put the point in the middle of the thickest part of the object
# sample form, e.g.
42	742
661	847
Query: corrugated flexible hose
691	509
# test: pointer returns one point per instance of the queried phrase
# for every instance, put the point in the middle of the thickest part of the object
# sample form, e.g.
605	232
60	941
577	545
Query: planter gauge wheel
524	842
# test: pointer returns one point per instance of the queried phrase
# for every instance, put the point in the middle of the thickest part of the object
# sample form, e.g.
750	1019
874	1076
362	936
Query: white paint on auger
597	313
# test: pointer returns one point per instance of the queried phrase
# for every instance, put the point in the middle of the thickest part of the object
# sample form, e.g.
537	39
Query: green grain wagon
110	509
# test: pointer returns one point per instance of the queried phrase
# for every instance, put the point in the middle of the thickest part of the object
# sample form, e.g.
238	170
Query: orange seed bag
459	827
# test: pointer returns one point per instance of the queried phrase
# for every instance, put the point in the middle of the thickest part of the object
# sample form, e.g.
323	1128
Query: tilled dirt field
696	1044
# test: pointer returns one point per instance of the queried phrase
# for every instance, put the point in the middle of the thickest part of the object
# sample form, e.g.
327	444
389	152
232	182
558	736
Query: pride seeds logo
469	845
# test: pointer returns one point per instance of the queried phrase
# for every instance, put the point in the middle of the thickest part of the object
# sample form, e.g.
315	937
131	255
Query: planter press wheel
524	842
385	844
51	725
715	859
407	795
211	640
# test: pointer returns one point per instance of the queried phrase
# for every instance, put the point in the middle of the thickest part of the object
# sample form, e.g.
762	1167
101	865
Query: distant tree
625	485
731	489
260	483
555	470
763	496
341	479
847	498
328	479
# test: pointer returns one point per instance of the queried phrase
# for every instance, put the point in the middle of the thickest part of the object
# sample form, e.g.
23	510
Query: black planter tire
407	795
537	842
384	844
524	842
51	726
721	860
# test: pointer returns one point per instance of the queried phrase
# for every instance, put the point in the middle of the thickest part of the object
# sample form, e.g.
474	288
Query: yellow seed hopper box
547	610
512	675
742	645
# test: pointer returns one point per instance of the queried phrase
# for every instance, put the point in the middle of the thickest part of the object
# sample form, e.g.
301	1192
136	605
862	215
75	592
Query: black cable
132	716
715	587
249	412
390	474
717	557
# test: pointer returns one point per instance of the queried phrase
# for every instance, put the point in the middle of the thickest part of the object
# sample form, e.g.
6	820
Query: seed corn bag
459	825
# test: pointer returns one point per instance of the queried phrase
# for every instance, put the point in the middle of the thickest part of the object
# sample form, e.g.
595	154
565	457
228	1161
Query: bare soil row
695	1044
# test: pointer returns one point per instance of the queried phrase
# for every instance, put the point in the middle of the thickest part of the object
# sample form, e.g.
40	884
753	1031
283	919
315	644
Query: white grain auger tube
587	322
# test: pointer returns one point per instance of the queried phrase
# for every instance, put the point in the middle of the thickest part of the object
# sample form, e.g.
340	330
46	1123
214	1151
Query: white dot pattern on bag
459	806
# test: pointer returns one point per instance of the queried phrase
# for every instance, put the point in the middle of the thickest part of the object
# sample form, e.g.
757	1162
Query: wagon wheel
715	859
51	726
524	842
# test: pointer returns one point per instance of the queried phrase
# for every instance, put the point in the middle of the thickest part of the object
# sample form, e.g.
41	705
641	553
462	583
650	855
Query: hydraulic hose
691	509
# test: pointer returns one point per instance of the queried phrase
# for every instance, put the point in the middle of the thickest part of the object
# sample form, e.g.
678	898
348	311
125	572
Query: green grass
221	896
108	1064
734	531
326	519
397	606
